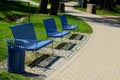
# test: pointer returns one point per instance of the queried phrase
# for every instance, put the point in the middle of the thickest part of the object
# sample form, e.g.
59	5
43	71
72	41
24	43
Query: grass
11	76
102	12
109	13
12	8
36	1
80	8
4	33
36	19
8	8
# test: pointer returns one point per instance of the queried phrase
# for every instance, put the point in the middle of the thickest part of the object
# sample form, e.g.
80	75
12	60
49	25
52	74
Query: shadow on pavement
33	75
109	22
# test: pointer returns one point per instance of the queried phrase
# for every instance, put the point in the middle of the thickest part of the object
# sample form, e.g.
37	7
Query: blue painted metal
51	29
16	57
26	33
65	25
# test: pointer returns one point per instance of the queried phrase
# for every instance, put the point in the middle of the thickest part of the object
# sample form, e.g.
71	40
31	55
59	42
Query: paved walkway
99	59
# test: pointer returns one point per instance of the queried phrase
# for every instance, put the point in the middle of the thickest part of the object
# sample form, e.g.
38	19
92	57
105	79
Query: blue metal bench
26	34
51	29
65	25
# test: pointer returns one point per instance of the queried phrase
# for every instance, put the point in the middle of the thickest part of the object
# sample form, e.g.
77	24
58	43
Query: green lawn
37	20
36	0
102	12
8	12
109	13
4	33
11	76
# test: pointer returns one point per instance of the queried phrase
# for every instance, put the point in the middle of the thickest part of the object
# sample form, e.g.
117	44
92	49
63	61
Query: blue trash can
16	57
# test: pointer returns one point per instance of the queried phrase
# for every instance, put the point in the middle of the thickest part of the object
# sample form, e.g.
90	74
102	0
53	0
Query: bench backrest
24	31
50	25
64	21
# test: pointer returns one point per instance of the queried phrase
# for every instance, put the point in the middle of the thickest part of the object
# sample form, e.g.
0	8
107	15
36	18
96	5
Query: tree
84	3
104	4
43	6
54	7
107	4
117	2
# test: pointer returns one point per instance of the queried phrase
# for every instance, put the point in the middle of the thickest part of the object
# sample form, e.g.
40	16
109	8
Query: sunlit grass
37	20
11	76
36	0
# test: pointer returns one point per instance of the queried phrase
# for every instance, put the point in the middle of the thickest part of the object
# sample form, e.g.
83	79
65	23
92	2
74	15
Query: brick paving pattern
99	59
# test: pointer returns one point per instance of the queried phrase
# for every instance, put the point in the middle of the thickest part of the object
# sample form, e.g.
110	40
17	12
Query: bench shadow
109	22
65	46
76	37
33	75
44	61
106	21
39	59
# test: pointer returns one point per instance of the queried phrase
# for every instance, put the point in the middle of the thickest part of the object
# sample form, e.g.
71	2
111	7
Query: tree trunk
93	1
43	6
117	2
54	7
107	4
84	3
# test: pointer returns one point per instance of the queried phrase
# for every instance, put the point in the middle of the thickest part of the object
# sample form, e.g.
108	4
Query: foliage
117	8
